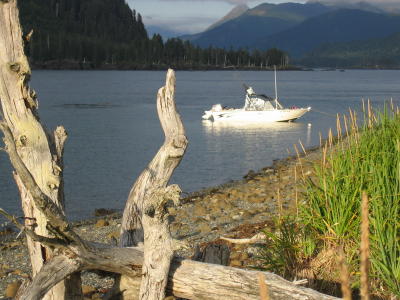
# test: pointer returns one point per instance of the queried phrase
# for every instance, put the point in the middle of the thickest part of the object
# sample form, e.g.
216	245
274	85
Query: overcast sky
188	16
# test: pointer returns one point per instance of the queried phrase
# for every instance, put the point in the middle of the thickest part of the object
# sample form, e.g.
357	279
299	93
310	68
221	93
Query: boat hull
276	115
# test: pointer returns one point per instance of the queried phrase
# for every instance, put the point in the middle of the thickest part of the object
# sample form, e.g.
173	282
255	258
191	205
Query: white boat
257	108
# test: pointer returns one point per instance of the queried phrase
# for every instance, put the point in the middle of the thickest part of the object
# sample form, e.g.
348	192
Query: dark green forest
372	53
109	34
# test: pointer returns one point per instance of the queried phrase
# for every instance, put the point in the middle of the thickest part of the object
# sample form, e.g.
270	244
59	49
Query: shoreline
80	66
236	209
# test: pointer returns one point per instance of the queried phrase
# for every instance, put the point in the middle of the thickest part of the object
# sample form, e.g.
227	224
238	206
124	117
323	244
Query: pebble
12	289
102	223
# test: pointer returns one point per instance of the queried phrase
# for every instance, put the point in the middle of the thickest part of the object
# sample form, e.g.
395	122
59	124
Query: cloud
226	1
235	2
182	25
378	2
187	16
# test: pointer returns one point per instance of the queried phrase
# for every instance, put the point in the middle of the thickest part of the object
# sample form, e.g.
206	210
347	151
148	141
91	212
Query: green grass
367	159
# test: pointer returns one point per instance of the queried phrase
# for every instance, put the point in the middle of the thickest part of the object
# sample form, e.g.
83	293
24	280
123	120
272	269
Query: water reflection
221	127
244	146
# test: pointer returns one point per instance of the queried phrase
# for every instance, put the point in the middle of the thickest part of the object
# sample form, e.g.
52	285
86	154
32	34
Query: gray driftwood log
159	171
144	221
40	150
150	210
37	159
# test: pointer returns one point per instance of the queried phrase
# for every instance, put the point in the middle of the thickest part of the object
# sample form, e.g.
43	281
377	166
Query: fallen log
186	279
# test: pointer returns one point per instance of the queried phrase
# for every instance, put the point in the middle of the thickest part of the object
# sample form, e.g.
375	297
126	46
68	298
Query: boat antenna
276	88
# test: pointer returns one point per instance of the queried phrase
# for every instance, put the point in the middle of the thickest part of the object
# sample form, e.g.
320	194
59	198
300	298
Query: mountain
302	29
342	25
383	52
237	11
391	6
257	23
164	32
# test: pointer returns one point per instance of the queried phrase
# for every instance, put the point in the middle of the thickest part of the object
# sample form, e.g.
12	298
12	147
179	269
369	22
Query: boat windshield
258	102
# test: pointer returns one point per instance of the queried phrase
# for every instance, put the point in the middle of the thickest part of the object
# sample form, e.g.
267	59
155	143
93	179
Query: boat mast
276	89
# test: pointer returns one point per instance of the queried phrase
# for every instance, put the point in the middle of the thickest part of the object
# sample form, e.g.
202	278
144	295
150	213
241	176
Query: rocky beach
238	209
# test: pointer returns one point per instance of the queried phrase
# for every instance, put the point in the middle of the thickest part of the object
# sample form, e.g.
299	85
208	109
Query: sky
188	16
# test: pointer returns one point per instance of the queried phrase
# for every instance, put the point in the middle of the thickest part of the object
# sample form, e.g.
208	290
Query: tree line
109	34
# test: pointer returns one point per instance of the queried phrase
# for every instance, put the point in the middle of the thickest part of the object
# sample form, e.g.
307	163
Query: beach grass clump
288	250
364	160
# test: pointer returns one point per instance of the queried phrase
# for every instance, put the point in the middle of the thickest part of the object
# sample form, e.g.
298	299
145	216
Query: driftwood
152	212
37	159
160	169
259	238
40	151
144	219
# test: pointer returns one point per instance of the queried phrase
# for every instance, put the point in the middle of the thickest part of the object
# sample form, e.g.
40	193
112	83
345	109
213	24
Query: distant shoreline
72	65
79	66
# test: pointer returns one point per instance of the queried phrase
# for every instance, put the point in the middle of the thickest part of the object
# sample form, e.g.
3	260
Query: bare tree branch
52	272
160	169
54	215
38	238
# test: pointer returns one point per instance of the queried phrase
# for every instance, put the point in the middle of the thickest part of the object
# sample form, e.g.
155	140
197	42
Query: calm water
114	130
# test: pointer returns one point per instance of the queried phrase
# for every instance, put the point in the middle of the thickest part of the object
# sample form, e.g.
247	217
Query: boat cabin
259	102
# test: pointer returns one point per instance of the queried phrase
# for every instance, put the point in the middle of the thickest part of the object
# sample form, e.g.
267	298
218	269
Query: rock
6	231
101	223
246	215
87	289
12	289
235	255
114	235
96	296
223	205
101	212
4	266
172	210
251	174
12	245
244	256
174	227
235	263
268	170
204	228
224	220
199	210
254	199
21	273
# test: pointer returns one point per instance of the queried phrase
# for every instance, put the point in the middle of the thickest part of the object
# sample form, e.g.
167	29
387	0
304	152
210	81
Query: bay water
114	131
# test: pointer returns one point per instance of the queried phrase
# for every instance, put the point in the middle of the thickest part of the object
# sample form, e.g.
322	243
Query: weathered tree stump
40	151
213	254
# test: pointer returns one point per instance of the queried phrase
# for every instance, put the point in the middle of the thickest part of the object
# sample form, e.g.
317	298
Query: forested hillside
338	26
109	34
373	53
84	30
